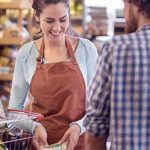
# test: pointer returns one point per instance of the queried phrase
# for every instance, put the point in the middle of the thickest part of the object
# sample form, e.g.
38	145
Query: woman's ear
37	19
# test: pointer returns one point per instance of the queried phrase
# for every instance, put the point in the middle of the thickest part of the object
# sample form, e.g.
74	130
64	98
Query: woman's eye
63	20
52	21
49	21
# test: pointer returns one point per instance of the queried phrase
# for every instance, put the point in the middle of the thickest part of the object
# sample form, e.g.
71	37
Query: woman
57	69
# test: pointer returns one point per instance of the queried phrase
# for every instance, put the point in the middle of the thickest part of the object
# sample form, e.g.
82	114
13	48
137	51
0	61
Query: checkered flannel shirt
118	99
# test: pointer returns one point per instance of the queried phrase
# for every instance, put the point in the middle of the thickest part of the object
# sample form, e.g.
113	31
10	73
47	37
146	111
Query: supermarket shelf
77	17
119	26
77	22
12	41
22	4
7	88
120	22
6	76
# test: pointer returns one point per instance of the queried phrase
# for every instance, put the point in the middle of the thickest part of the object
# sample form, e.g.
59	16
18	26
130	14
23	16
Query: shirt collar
145	27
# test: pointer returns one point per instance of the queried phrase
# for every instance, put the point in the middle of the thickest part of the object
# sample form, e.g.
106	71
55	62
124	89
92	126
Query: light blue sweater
86	56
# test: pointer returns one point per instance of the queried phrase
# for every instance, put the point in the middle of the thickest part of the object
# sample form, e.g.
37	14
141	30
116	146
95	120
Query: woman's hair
38	5
144	6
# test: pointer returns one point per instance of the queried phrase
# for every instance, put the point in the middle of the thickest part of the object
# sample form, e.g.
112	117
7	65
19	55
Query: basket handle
38	115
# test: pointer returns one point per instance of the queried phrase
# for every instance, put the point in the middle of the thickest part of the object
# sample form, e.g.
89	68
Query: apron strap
41	53
70	50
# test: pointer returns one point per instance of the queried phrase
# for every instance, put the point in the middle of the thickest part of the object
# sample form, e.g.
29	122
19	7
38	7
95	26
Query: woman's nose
56	26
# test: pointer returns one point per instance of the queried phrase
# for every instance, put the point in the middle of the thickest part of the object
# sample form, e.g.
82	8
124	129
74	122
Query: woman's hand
41	137
71	136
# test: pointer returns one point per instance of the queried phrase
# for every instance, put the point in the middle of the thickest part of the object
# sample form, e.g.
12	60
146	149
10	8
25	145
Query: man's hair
144	6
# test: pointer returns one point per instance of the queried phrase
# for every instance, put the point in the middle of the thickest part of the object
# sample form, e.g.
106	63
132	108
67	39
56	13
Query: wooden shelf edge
119	22
15	5
12	41
77	17
6	76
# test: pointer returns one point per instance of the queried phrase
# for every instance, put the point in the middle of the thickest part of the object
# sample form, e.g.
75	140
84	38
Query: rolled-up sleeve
99	94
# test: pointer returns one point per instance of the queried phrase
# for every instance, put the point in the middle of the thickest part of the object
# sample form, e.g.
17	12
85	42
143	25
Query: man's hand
41	137
71	136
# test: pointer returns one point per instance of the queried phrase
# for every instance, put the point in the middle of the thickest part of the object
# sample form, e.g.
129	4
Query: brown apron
59	94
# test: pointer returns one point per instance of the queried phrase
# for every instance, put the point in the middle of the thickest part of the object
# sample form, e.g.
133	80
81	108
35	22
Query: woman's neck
55	51
54	45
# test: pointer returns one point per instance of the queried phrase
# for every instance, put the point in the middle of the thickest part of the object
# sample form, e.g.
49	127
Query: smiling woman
63	20
56	69
54	26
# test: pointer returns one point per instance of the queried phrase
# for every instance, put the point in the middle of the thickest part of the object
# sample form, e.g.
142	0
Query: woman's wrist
76	125
38	127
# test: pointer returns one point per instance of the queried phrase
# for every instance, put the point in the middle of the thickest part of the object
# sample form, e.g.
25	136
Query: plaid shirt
118	100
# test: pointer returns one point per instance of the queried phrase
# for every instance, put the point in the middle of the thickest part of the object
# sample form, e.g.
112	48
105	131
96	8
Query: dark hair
38	5
144	6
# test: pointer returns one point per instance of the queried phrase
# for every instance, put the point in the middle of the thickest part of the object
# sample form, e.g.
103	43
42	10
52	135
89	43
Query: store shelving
6	76
17	4
119	26
77	23
13	36
12	41
76	16
103	18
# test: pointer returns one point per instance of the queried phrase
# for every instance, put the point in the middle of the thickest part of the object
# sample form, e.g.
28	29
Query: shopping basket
13	134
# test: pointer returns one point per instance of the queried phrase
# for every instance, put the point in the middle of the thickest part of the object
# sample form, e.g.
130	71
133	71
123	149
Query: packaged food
2	146
56	147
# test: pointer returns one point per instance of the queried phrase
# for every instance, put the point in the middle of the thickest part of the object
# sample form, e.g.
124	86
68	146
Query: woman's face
54	21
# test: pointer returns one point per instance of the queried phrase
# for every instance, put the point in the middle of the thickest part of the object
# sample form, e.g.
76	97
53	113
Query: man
118	100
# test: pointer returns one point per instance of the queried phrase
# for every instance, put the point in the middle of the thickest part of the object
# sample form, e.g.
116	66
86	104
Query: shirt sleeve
98	95
19	85
19	91
91	61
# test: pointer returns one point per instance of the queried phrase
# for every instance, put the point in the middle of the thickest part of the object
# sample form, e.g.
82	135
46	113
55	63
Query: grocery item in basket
14	136
56	147
17	141
2	146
